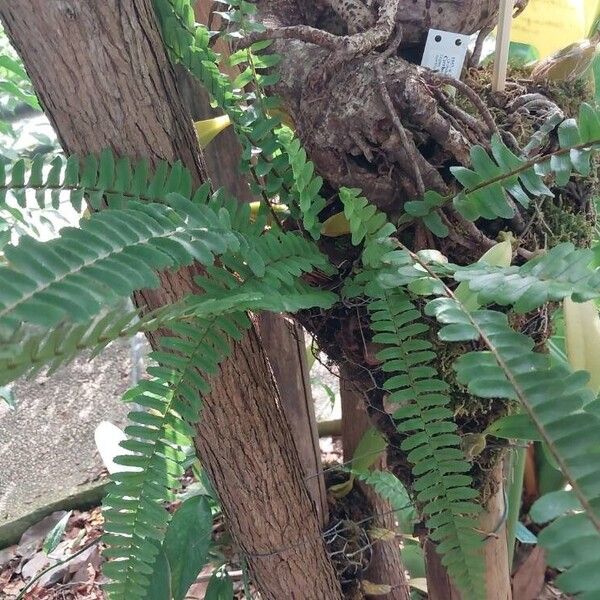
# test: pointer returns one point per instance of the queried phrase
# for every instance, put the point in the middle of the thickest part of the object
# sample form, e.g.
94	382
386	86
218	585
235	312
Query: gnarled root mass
371	117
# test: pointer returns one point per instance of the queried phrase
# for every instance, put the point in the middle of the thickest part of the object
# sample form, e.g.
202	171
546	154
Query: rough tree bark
104	80
386	566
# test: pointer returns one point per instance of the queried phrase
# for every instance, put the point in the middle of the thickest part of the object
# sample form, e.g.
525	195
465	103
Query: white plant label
445	52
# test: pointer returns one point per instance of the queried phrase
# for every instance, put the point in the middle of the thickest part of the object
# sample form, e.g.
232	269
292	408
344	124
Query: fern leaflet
112	254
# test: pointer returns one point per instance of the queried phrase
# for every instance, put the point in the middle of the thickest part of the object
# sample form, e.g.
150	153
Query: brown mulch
77	579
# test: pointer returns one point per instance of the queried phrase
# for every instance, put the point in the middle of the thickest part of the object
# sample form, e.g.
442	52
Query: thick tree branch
103	77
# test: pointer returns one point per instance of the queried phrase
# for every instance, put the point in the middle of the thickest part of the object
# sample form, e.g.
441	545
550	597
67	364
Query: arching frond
112	254
442	484
279	166
107	179
559	405
560	272
495	182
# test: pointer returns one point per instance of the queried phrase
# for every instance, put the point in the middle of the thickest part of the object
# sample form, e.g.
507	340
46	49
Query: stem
515	492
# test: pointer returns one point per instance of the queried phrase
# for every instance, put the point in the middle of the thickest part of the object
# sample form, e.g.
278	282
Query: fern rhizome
436	361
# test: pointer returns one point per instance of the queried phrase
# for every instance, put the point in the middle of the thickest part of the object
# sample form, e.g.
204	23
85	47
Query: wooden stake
502	45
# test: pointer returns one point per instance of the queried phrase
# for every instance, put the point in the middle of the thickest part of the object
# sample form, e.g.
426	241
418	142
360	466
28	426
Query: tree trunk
495	551
282	340
386	566
104	80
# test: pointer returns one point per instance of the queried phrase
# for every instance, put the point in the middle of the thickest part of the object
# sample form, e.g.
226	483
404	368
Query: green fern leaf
442	483
555	400
278	163
495	182
113	253
135	518
559	273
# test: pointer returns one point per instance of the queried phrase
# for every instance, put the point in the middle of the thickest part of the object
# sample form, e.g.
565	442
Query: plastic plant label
445	52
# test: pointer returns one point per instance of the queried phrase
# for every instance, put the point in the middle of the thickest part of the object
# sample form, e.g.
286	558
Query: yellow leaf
568	64
208	129
336	226
280	209
473	444
582	339
419	583
375	589
339	490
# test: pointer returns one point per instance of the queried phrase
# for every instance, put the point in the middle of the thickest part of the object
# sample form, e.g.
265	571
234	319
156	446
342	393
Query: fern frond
28	349
135	518
390	488
280	259
112	254
442	483
367	225
283	258
556	401
305	186
561	272
280	168
105	178
495	182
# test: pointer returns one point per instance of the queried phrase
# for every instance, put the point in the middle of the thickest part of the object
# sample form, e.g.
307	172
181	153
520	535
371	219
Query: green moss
568	217
471	413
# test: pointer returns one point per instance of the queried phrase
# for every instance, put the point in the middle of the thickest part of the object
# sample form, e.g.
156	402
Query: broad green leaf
499	255
553	505
524	535
368	450
413	559
517	427
582	339
186	543
160	583
220	587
